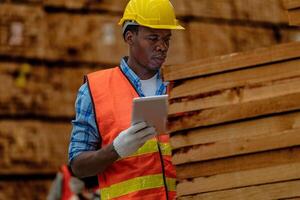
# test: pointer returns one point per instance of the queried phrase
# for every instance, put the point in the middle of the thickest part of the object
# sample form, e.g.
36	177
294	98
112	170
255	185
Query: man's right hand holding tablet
131	139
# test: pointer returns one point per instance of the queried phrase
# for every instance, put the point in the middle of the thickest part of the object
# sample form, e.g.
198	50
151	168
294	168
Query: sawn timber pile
293	7
234	122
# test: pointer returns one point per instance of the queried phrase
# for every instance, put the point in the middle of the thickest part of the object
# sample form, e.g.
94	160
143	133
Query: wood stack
234	122
30	32
46	46
293	7
37	105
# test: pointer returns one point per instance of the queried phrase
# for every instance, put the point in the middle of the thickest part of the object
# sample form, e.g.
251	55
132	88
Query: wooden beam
107	5
24	189
82	39
238	163
283	190
232	61
29	22
79	37
234	112
294	17
230	147
224	38
39	90
291	4
236	96
257	76
235	131
239	10
33	147
239	179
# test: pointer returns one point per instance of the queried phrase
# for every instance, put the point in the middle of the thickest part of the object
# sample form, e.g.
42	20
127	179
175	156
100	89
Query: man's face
150	47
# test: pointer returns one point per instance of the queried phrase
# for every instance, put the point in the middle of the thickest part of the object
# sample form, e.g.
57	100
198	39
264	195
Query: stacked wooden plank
253	23
293	7
111	5
21	31
24	189
234	122
46	35
29	31
39	99
36	107
252	10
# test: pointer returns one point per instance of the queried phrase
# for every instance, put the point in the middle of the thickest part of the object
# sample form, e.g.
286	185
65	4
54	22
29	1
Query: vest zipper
160	154
163	170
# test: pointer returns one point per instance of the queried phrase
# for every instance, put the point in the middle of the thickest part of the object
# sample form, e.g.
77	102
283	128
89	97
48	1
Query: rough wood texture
291	4
21	31
179	51
232	61
283	190
182	7
236	96
219	41
251	77
25	190
293	7
108	5
252	10
294	17
86	38
226	38
89	38
263	11
33	147
290	34
28	2
39	90
228	132
97	38
242	141
238	163
239	179
235	112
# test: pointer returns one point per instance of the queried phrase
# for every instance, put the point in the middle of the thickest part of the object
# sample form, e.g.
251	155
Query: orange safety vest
66	191
148	173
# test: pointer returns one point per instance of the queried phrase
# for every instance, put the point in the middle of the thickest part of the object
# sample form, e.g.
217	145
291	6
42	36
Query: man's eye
167	40
152	38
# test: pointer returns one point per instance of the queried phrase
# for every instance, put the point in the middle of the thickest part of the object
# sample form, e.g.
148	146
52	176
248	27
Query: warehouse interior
239	57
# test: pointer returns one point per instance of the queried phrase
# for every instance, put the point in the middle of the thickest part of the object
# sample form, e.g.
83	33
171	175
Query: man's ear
129	37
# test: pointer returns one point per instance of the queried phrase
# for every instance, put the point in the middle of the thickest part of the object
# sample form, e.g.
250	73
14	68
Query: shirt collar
136	81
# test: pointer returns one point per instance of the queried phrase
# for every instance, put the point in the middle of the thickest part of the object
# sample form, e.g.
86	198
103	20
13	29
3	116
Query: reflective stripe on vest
151	147
136	184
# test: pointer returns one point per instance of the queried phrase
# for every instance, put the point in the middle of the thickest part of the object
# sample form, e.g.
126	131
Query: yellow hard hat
158	14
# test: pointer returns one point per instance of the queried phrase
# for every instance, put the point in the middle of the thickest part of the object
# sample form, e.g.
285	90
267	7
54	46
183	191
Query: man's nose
162	45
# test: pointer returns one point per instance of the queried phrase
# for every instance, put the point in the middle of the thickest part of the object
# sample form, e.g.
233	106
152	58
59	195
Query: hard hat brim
172	27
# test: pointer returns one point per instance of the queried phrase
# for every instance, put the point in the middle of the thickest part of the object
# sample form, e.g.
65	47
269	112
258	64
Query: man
131	161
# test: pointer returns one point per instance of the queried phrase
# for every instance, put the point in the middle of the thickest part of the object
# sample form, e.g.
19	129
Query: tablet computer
151	109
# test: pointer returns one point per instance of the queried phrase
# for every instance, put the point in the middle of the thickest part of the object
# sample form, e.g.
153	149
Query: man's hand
90	163
131	139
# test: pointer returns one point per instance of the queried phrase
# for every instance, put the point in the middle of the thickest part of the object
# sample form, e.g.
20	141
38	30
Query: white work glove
131	139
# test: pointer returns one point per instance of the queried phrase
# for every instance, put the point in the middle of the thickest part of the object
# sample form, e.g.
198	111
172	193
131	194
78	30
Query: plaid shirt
85	136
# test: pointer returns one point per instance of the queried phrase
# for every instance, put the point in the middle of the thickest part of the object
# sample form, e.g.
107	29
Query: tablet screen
151	109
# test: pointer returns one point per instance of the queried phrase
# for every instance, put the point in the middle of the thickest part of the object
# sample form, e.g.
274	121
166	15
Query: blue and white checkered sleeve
84	136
